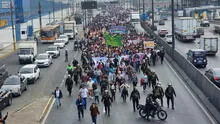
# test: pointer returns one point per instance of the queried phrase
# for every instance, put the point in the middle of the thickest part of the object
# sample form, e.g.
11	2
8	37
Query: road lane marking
53	102
193	96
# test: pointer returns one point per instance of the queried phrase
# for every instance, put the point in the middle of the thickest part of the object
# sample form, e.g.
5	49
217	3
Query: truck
27	51
209	44
185	28
70	29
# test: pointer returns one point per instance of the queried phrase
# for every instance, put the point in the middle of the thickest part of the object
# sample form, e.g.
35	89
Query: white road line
53	102
193	96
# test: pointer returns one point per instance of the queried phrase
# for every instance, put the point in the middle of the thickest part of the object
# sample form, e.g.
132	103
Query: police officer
69	84
107	99
170	93
135	97
159	93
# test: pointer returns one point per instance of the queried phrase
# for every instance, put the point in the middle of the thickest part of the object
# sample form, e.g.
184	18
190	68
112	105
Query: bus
163	15
49	33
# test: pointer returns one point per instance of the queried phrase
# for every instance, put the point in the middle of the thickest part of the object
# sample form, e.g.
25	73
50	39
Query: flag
113	40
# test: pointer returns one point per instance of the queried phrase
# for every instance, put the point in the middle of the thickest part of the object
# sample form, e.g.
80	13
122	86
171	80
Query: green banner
114	40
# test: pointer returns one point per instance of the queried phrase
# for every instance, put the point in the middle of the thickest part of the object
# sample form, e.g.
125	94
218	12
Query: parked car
3	74
162	32
5	99
43	60
16	84
168	38
59	43
197	57
65	38
161	22
213	74
31	72
53	51
205	23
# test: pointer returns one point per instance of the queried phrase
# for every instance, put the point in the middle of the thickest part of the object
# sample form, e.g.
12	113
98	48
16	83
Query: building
23	10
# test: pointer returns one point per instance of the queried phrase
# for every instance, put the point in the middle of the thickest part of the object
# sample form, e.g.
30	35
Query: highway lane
49	79
186	108
183	47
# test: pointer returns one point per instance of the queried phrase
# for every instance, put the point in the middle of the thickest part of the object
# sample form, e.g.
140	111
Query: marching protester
80	103
66	55
84	94
170	93
94	112
58	95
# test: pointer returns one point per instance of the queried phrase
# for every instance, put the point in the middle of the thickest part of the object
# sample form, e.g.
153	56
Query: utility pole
152	14
143	6
61	6
173	40
53	11
39	12
139	6
49	16
12	26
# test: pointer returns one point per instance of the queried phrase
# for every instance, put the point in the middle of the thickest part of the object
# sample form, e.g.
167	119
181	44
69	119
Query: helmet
159	84
169	84
106	91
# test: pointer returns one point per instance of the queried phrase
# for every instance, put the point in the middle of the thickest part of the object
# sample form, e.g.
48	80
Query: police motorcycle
152	108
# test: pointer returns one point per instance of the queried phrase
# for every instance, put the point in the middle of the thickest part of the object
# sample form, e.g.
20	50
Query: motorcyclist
151	105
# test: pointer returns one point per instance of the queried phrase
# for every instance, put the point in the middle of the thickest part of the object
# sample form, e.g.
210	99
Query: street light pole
53	11
143	6
12	26
152	14
39	12
173	39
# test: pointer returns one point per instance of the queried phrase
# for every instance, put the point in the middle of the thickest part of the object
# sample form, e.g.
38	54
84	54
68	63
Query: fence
211	91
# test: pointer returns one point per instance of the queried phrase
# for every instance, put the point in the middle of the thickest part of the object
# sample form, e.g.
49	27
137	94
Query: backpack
157	92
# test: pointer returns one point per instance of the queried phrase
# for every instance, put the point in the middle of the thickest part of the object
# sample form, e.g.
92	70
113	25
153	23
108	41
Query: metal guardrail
210	90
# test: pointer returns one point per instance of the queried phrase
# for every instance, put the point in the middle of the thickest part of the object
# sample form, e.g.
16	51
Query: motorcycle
146	111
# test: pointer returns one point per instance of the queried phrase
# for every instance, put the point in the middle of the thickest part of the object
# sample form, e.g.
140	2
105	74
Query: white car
43	60
64	37
59	43
31	72
16	84
53	51
168	38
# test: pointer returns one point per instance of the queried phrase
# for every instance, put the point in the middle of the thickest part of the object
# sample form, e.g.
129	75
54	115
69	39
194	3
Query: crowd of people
105	70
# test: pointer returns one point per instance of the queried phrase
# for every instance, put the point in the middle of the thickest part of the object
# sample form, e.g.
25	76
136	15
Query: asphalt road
187	111
50	77
183	47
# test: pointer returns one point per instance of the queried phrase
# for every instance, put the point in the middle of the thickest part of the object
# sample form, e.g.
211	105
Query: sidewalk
7	50
30	113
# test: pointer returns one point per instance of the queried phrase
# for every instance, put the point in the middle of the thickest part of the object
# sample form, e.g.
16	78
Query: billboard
89	4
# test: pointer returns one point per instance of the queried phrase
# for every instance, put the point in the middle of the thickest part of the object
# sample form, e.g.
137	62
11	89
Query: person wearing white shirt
84	93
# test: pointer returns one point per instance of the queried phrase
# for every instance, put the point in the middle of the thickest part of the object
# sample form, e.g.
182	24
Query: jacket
80	103
106	99
135	95
60	94
94	111
170	92
69	83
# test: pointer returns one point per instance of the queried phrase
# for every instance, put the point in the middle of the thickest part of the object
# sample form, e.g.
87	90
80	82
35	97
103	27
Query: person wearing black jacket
58	95
2	119
107	100
69	84
170	93
135	97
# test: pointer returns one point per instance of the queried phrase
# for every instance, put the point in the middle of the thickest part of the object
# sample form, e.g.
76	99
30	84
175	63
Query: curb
46	108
